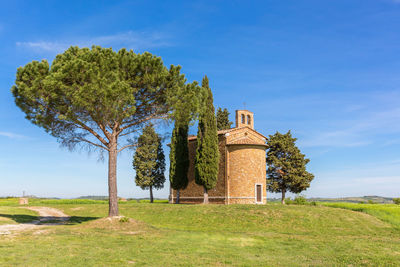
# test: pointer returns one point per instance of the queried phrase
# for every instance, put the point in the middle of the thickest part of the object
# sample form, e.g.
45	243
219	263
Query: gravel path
47	216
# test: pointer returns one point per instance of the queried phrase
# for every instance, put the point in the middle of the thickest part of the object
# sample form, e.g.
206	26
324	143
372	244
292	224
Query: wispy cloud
46	46
358	132
130	40
342	138
379	178
13	135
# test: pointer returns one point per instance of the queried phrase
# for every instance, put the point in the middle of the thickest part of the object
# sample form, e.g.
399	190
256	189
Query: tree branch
127	133
151	117
101	139
101	126
119	150
92	143
81	124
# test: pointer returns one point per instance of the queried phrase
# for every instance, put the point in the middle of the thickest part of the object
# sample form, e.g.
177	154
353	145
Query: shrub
288	201
371	201
300	200
396	200
124	220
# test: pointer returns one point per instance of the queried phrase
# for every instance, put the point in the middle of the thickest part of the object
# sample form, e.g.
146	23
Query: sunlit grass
162	234
12	215
386	212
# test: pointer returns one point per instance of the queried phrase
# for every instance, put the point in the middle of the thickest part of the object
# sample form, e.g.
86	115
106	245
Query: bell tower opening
244	118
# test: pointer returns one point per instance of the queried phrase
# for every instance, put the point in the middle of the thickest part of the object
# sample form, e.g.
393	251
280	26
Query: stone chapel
242	166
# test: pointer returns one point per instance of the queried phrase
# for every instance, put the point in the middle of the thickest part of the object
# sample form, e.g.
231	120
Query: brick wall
242	166
194	193
246	168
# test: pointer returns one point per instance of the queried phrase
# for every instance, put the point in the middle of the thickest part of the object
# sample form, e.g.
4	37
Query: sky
329	71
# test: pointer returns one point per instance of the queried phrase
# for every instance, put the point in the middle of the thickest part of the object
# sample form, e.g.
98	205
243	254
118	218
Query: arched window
248	119
243	119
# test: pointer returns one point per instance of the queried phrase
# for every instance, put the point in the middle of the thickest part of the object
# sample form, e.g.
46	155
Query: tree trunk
151	194
177	196
205	196
283	197
112	181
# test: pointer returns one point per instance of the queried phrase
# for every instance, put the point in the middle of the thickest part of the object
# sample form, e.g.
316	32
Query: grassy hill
386	212
206	235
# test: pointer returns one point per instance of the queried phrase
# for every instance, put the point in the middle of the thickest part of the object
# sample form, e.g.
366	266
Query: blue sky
327	70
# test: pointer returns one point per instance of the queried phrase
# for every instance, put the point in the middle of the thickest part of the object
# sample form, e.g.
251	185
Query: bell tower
244	118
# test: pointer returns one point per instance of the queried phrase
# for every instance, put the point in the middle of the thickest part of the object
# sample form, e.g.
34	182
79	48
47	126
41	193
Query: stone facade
244	118
242	167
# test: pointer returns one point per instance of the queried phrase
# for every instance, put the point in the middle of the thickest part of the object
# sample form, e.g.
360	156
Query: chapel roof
221	132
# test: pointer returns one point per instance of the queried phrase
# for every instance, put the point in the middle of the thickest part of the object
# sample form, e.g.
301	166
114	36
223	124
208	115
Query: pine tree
223	121
98	98
149	161
286	166
207	153
179	158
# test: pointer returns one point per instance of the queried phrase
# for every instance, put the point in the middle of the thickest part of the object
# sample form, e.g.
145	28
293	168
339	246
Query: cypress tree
149	161
223	121
286	166
179	158
207	152
189	102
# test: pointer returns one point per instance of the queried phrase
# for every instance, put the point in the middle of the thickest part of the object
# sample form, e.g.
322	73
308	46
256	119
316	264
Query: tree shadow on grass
79	219
30	219
21	218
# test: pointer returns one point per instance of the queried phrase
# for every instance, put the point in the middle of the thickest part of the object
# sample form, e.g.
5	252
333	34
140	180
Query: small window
243	119
248	119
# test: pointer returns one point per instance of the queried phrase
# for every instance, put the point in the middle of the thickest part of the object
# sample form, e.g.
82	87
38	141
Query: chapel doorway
258	193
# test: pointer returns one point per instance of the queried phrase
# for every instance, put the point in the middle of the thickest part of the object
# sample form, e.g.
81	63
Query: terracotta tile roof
194	137
243	141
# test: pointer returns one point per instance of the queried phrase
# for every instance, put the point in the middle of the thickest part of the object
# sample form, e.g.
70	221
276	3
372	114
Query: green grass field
14	215
162	234
386	212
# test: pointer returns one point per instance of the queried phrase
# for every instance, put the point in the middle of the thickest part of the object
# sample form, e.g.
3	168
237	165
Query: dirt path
52	215
47	216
